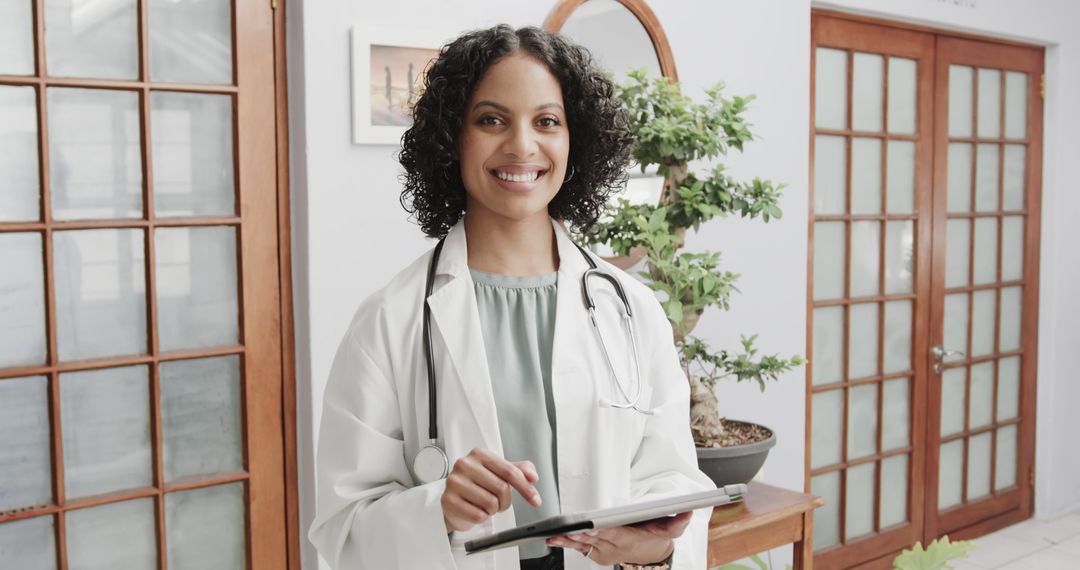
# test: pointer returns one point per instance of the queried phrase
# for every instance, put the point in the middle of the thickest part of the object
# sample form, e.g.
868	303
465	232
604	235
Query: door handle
940	354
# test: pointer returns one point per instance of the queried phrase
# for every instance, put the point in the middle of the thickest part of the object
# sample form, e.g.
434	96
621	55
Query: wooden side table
766	518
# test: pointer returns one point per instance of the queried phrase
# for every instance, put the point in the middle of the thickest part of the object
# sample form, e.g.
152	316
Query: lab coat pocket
625	427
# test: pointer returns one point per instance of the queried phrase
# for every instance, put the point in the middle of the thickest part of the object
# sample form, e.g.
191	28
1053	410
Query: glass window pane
204	528
956	322
961	89
989	103
1015	105
982	323
830	159
28	543
25	454
863	341
115	535
200	415
978	468
828	260
100	293
982	394
959	177
190	41
1008	396
899	257
986	258
828	345
88	40
193	154
95	162
1005	461
957	252
196	287
950	474
830	83
865	176
901	177
865	258
1012	248
22	302
1011	302
866	91
986	178
953	382
1013	177
894	478
16	41
896	414
20	187
826	428
902	83
862	421
106	419
859	506
897	336
827	518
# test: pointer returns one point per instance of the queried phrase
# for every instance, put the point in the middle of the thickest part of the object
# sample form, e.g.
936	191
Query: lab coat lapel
456	323
570	366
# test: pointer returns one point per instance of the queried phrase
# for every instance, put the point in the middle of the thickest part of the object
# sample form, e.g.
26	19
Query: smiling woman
484	345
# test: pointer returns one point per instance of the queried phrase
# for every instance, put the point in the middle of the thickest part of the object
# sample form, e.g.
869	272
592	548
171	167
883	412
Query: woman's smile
518	180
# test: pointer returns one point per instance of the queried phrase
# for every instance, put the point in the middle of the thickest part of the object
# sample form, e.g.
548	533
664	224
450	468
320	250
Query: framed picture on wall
388	69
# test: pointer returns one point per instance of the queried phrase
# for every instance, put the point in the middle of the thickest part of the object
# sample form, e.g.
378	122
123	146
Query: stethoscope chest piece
431	464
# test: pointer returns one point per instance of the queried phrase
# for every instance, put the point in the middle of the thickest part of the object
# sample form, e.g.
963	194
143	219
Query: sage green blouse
517	317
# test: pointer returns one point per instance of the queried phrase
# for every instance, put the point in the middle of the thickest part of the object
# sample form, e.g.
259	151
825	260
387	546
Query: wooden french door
988	152
922	218
143	395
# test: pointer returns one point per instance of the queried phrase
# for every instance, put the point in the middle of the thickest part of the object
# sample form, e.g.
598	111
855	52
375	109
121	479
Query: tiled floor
1030	545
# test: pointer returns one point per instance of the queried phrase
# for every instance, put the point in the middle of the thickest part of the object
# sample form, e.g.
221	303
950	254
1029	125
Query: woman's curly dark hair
600	136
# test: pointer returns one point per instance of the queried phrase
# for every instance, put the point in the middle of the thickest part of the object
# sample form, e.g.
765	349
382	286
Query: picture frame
387	73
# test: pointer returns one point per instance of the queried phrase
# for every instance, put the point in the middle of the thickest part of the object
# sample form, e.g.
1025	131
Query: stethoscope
431	462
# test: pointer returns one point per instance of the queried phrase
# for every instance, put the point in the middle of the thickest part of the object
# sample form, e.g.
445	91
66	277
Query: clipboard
635	513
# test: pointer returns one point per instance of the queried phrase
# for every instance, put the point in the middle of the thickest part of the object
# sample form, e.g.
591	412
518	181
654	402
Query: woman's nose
521	141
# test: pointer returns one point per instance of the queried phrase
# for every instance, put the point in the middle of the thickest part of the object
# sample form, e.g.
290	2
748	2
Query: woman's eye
487	120
551	122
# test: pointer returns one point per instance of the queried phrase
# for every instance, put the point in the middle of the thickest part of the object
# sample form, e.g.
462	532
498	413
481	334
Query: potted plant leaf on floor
671	131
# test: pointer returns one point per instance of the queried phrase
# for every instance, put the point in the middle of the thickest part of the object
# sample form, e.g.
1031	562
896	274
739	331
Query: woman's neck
511	247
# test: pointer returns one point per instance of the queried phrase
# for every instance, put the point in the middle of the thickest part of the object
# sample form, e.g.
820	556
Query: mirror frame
564	8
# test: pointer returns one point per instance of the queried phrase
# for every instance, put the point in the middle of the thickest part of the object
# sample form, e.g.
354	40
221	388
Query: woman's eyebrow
505	109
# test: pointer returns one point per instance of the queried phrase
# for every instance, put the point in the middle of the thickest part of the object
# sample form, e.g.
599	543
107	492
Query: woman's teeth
528	177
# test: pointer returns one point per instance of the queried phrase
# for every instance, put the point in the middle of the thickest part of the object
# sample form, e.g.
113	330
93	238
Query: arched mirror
621	35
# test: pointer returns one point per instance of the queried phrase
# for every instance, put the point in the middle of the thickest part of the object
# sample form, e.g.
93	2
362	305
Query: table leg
804	547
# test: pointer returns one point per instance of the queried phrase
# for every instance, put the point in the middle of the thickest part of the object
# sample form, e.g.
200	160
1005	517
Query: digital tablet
605	518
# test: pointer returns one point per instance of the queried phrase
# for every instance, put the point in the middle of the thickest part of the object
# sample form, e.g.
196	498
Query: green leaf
936	556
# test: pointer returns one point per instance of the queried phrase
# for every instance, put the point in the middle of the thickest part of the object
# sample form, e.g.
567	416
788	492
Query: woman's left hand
640	544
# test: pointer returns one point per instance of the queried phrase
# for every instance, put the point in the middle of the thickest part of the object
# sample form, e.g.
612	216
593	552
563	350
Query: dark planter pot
736	464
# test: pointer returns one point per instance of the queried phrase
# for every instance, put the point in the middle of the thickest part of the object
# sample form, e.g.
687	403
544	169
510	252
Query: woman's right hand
479	486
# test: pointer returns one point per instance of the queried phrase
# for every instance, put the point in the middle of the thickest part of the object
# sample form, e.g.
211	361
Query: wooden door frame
1033	185
284	251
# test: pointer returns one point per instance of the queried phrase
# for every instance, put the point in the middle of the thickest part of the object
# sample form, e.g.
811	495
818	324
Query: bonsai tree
671	131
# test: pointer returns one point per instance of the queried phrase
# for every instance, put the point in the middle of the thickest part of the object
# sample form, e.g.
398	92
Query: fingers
513	475
529	469
669	527
479	486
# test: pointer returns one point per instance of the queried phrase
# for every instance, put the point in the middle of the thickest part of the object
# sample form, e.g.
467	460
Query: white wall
351	236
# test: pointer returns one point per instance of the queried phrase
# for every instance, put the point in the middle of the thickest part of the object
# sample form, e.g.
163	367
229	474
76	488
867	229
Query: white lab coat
373	514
